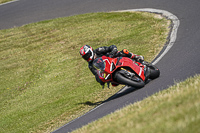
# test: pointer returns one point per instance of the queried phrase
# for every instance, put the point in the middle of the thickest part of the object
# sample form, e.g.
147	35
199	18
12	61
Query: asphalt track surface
181	61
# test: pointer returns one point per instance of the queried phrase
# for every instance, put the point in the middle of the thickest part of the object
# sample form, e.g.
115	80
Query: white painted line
173	34
9	2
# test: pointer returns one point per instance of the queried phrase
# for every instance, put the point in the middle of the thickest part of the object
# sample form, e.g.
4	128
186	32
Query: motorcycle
123	70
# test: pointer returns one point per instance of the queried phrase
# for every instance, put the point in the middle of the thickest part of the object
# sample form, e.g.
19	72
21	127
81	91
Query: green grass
44	81
175	110
4	1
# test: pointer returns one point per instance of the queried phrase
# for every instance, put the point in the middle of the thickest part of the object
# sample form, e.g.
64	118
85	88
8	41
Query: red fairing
123	62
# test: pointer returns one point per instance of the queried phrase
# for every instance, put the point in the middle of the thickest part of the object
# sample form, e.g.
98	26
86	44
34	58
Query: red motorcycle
123	70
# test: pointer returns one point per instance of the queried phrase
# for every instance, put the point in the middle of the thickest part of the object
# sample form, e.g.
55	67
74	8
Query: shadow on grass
125	90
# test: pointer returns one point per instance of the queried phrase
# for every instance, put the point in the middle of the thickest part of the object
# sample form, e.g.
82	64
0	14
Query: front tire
134	82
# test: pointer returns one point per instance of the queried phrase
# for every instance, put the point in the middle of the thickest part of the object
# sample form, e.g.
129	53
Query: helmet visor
87	55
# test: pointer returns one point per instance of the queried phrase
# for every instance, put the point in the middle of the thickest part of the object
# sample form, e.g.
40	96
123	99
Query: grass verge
175	110
44	81
4	1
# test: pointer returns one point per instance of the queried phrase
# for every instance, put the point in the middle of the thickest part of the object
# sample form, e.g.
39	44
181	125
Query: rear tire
120	78
154	72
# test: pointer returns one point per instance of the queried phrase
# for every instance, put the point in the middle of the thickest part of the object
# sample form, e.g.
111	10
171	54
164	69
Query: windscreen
99	64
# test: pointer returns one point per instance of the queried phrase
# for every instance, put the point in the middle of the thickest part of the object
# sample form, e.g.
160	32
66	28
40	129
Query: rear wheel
154	72
133	81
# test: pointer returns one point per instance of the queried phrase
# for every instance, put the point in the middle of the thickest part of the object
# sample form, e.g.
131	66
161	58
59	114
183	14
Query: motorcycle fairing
112	64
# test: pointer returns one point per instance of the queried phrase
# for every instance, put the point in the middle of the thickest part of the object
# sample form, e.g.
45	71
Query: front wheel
133	81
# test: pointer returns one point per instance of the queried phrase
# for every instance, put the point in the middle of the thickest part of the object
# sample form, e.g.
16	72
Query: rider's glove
125	51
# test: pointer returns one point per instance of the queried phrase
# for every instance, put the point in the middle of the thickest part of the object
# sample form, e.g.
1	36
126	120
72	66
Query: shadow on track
125	90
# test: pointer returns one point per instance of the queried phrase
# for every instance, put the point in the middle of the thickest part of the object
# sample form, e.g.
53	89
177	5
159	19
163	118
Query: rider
89	55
